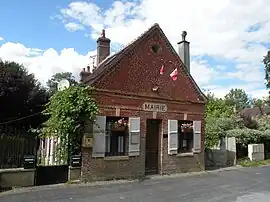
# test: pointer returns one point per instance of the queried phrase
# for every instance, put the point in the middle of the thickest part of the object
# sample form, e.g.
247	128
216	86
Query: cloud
1	38
45	63
229	30
216	24
227	38
202	72
72	27
250	89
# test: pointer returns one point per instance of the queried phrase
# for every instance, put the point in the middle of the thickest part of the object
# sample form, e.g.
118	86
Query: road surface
239	185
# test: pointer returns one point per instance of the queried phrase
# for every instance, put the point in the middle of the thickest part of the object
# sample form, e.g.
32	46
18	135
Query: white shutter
99	134
134	136
172	136
197	125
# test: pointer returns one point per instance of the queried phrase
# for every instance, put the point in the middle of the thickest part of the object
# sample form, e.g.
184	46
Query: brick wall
127	86
106	168
110	168
95	169
172	164
138	72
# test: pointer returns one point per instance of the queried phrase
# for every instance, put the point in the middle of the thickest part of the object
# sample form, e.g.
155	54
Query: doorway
152	145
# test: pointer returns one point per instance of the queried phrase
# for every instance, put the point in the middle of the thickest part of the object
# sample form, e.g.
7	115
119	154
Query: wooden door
152	145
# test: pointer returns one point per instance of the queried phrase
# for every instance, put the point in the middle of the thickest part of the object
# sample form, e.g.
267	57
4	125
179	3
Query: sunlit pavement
238	185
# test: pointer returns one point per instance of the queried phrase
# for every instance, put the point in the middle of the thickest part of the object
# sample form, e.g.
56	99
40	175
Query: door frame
159	142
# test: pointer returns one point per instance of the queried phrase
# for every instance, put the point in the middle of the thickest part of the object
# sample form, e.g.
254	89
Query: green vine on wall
67	111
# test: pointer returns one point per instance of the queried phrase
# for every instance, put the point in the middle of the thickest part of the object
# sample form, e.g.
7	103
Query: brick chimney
85	73
103	47
183	51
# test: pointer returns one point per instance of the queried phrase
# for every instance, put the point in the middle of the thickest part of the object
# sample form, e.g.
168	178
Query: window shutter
172	136
197	125
134	136
99	134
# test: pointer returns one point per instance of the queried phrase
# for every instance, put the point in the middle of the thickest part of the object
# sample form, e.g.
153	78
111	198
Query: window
156	48
185	136
116	136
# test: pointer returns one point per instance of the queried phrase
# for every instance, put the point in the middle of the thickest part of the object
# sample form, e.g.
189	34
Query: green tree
21	95
210	96
217	107
260	102
260	134
237	98
218	118
52	83
67	112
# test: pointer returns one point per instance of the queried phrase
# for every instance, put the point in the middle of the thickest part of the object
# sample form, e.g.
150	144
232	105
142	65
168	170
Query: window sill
188	154
116	158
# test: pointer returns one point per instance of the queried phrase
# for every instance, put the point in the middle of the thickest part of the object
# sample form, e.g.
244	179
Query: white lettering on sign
154	107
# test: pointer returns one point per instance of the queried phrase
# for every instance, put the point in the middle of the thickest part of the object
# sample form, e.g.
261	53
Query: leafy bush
67	111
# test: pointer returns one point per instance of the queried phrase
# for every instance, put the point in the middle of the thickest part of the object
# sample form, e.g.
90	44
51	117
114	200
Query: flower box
120	128
187	127
119	125
187	130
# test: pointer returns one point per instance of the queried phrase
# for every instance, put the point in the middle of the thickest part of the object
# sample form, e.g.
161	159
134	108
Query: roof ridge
128	44
125	48
137	38
154	25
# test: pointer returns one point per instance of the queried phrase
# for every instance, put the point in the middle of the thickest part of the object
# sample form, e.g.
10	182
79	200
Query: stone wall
223	155
17	177
256	152
74	173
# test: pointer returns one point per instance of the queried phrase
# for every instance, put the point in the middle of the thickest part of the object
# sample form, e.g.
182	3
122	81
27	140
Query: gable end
109	63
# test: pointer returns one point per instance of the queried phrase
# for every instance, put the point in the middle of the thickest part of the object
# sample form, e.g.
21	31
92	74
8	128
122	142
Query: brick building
164	112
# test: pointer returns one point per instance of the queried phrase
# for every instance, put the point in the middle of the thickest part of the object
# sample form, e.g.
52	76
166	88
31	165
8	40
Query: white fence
48	151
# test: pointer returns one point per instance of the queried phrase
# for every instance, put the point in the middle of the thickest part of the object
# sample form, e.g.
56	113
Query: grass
247	163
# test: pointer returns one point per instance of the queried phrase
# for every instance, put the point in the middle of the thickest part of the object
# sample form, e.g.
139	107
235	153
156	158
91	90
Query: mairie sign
154	107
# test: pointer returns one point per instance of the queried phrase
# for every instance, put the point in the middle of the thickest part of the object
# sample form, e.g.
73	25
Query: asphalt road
241	185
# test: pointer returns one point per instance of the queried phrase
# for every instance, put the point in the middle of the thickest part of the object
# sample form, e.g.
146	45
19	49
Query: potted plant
187	127
119	125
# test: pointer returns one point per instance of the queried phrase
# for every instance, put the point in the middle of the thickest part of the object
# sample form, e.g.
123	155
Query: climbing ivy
67	110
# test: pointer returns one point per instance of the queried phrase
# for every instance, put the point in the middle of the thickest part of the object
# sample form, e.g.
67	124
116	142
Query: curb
78	184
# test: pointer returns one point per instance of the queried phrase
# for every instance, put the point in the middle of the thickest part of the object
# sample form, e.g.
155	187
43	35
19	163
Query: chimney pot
88	68
184	34
84	74
94	68
103	33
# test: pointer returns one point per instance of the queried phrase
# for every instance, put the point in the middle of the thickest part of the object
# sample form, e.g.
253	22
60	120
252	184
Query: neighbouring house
151	117
248	114
253	112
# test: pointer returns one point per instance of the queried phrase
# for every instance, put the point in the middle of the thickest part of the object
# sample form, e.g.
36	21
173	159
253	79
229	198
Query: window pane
121	144
108	141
